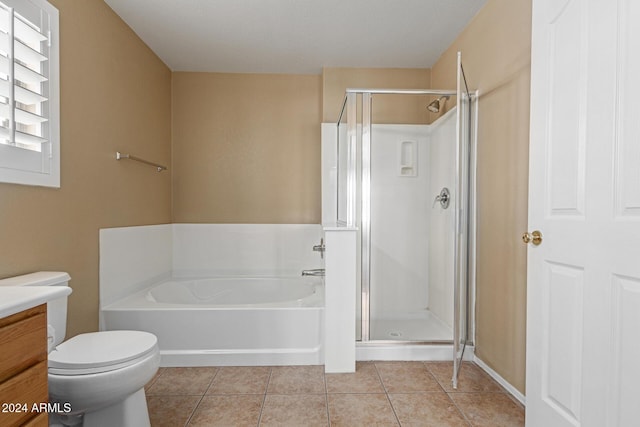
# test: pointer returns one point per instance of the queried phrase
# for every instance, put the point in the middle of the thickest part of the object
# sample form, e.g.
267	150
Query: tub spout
314	272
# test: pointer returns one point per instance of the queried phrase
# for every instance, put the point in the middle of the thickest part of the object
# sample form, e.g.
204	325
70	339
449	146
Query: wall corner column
340	299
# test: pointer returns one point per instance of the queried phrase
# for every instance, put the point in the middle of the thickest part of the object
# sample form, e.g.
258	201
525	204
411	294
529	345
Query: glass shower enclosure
407	186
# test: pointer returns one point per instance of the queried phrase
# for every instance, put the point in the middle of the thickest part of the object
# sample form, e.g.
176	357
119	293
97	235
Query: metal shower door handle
444	198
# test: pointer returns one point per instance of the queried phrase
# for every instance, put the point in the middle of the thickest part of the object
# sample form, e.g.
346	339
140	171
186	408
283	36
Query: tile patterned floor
377	394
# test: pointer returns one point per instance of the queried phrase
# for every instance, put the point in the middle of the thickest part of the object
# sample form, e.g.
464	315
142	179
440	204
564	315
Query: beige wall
399	109
496	49
246	148
115	95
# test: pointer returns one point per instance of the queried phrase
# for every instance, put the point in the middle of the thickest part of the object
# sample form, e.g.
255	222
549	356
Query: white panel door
583	291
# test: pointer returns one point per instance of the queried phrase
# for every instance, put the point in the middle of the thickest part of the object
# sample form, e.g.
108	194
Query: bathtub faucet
314	272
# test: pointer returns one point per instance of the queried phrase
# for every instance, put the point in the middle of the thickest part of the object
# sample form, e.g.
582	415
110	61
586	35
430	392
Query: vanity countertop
14	299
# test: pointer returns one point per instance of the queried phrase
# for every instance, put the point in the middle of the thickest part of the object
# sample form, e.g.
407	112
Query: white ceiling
296	36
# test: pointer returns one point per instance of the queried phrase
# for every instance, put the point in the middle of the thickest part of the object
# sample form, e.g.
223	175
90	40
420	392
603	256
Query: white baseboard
493	374
242	357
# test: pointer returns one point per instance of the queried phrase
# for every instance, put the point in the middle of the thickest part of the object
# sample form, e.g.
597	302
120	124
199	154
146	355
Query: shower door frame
465	187
350	105
365	186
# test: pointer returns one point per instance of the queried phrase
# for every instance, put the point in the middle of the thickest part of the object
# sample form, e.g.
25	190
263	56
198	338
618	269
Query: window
29	93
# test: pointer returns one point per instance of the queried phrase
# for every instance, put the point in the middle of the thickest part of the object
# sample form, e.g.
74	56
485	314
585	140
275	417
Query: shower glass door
408	242
399	210
412	249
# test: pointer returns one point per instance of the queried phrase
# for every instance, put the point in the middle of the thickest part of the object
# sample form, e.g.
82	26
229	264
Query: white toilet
100	375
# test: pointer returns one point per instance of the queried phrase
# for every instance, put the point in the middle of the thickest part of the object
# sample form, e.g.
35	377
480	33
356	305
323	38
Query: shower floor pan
417	326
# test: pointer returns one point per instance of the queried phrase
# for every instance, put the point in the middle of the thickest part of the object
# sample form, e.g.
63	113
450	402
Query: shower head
434	107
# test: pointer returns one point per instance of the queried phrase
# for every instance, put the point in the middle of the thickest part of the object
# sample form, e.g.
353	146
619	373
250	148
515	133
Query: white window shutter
29	93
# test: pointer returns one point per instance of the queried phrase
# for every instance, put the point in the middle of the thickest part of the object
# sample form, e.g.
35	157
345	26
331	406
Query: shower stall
408	188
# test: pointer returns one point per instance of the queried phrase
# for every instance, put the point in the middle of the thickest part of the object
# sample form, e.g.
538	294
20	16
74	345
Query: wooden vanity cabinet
23	368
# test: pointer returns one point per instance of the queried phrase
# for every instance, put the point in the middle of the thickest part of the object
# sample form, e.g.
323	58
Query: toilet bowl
97	379
96	373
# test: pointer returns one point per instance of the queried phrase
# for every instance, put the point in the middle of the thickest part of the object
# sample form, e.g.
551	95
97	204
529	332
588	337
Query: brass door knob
534	237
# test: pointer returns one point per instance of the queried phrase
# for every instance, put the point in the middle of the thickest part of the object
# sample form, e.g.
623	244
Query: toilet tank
56	309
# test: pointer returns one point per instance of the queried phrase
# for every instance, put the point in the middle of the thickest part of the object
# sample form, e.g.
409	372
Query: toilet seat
98	352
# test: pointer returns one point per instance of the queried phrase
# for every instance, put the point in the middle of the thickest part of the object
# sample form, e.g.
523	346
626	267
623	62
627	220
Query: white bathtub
228	320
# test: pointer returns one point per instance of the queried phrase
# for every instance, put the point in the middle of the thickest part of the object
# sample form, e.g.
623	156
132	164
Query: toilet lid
101	351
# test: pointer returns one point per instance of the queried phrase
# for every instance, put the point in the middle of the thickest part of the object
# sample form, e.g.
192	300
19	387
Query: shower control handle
444	198
319	248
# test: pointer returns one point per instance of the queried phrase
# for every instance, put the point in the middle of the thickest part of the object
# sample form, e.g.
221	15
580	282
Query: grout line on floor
426	366
326	398
264	396
201	398
386	393
195	408
212	380
460	410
